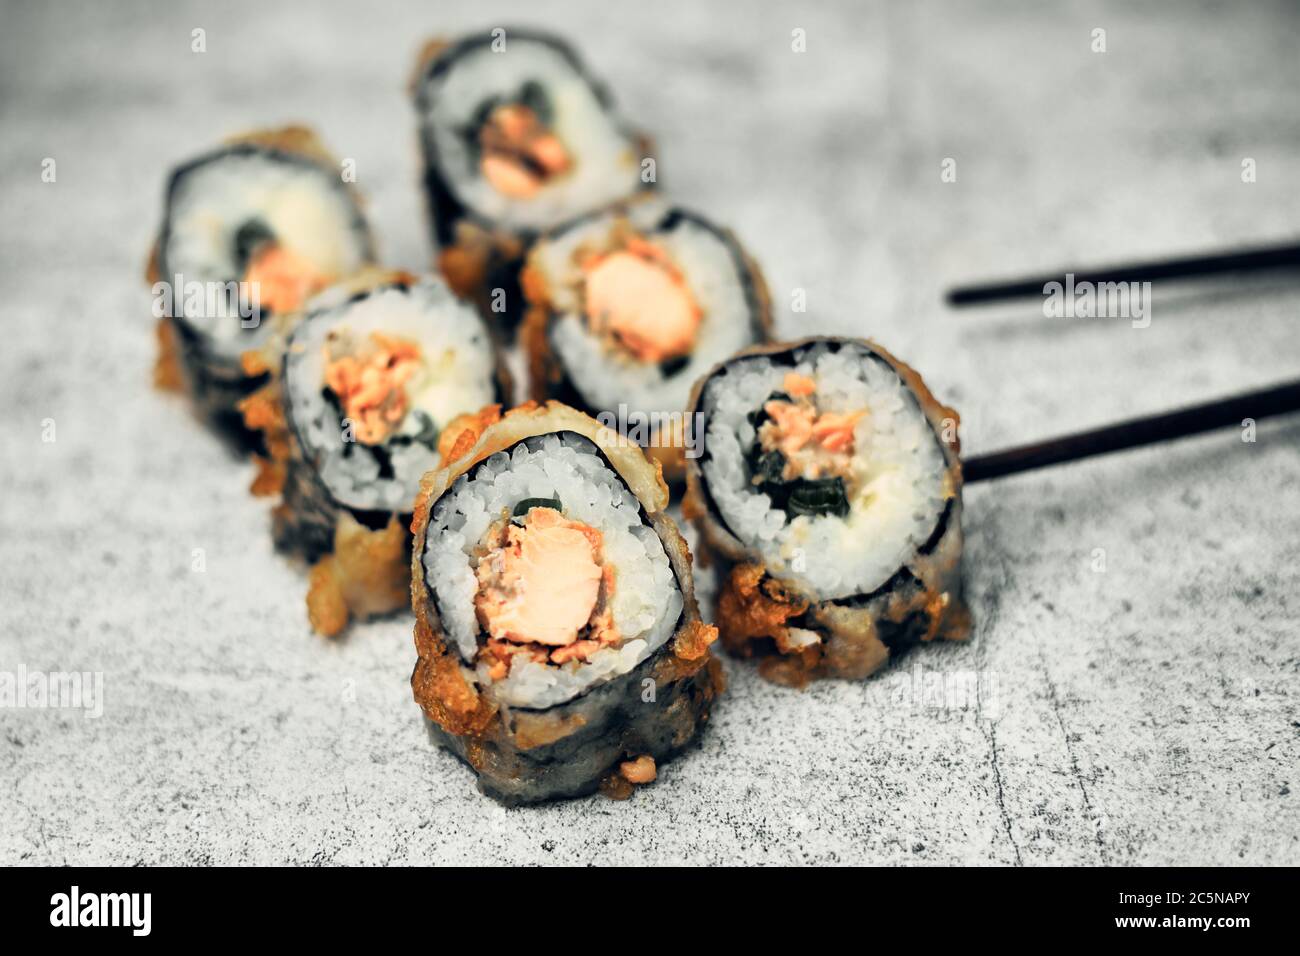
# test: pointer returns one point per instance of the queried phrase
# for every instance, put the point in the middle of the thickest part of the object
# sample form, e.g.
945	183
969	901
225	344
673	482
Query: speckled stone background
1129	694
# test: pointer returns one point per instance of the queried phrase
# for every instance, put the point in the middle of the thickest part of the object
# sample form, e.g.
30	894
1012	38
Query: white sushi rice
646	602
713	277
455	377
895	492
305	207
606	166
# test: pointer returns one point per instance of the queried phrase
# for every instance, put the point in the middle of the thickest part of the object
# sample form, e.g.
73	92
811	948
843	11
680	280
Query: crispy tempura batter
639	771
293	138
263	412
167	374
756	614
477	256
367	575
462	432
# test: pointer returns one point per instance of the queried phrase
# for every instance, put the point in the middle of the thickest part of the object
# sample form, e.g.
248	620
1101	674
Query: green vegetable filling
528	504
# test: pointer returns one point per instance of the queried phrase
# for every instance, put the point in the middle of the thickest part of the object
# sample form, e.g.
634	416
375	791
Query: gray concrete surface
1136	648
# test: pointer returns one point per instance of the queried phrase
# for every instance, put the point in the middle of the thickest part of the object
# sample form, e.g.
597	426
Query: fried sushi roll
250	231
560	648
830	497
628	307
370	380
517	138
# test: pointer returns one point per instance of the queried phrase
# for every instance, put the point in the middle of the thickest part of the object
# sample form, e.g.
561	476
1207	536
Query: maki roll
560	648
628	307
250	231
370	379
517	138
832	500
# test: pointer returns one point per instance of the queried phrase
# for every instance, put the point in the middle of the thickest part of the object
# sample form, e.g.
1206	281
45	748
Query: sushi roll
628	307
517	138
829	490
560	648
250	231
370	379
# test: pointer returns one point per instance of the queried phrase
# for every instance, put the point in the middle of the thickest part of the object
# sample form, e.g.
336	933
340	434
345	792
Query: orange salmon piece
643	301
509	178
812	444
541	586
834	430
282	279
792	425
800	386
371	388
519	153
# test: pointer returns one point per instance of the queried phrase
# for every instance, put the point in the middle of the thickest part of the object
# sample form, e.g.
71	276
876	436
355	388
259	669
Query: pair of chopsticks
1168	426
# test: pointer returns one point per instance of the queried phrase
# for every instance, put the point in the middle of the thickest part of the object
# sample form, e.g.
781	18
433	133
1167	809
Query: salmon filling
637	298
281	279
803	456
370	384
543	591
519	153
814	444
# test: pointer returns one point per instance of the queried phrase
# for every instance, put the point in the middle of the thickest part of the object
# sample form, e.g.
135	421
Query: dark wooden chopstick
1249	260
1167	426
